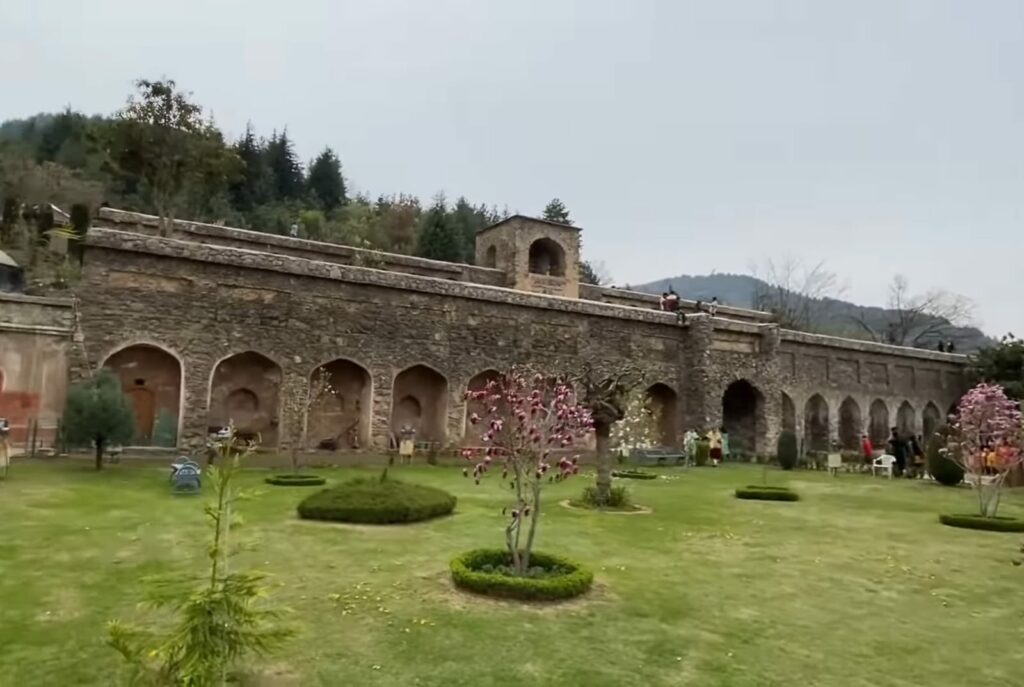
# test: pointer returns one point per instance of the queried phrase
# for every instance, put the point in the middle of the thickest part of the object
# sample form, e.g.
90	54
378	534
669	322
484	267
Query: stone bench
662	455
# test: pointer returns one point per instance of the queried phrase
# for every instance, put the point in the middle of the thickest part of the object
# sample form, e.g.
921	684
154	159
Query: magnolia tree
987	437
530	425
638	428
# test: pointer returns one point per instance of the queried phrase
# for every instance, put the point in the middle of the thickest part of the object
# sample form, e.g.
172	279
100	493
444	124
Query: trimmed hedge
633	474
371	501
766	486
940	465
767	494
787	450
467	573
702	454
979	522
296	480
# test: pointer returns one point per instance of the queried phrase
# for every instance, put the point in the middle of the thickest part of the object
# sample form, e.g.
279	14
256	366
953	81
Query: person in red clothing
867	448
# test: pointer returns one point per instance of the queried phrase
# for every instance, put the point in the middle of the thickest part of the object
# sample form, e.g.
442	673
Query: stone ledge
789	335
35	329
37	300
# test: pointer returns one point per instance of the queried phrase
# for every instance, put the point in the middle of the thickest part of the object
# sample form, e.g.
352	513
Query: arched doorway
932	420
743	418
878	423
906	420
245	390
663	403
471	433
151	379
788	414
816	424
547	257
420	401
850	425
340	417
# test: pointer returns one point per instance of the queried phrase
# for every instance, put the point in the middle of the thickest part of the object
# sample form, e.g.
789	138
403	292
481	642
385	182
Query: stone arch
151	377
471	433
743	417
850	424
817	426
931	420
906	420
491	256
664	403
547	257
878	423
245	389
419	399
788	413
341	418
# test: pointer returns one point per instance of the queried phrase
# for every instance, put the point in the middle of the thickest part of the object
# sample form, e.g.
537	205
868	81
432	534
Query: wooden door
144	404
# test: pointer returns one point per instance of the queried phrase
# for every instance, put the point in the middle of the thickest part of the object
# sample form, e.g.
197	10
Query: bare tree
299	401
917	320
795	293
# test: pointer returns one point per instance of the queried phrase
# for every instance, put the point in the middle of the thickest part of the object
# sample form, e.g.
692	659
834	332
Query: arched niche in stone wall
245	389
420	401
879	423
472	432
850	424
817	425
664	403
906	420
547	257
743	417
340	418
931	420
151	379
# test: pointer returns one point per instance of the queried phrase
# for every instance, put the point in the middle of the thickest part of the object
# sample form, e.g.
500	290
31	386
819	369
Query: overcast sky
882	136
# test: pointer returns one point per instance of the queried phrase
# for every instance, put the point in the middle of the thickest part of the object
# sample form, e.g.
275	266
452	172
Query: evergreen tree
285	169
97	411
555	211
438	237
467	220
254	185
326	184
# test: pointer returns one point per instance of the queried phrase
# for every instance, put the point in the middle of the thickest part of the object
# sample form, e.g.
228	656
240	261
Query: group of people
907	451
946	346
669	302
718	442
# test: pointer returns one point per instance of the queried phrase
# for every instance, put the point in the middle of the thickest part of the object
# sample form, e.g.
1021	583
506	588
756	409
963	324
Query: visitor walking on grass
690	446
715	442
725	444
898	449
867	449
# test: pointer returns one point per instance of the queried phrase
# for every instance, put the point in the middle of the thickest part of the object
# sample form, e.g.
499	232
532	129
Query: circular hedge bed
979	522
767	494
550	578
371	501
633	474
296	480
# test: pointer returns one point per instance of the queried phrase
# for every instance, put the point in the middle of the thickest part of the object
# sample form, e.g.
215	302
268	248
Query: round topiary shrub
296	480
980	522
787	450
549	578
372	501
940	465
633	474
702	454
767	494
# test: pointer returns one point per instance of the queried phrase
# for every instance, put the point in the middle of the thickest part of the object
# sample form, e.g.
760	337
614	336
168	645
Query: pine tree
467	220
325	181
285	169
254	186
438	237
555	211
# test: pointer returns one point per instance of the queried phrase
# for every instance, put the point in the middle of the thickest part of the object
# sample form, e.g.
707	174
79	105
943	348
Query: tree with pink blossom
530	426
986	441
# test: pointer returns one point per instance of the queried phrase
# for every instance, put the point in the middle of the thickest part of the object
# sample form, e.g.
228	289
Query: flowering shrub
530	422
638	427
986	439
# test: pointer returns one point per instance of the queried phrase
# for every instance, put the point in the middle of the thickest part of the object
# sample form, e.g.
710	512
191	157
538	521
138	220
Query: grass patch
371	501
550	578
979	522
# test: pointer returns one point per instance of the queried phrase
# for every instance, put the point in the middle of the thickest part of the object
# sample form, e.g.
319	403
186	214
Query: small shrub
766	486
296	480
787	450
549	578
617	498
633	474
980	522
940	466
767	494
372	501
702	456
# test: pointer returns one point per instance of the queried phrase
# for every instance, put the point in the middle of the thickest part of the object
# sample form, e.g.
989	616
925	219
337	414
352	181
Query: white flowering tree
638	427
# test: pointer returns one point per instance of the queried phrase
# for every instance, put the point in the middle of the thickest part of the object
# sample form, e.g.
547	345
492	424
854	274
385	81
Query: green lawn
857	584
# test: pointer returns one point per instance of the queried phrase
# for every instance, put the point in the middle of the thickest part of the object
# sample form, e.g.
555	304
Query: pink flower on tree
530	420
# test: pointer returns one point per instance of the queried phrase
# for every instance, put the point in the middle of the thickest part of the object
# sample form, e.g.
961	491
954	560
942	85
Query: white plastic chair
884	463
835	463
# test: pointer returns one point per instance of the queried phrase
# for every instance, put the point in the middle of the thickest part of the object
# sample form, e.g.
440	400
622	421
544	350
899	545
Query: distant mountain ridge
837	315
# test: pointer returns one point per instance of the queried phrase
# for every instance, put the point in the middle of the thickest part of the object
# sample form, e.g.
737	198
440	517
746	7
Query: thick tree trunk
604	463
99	454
